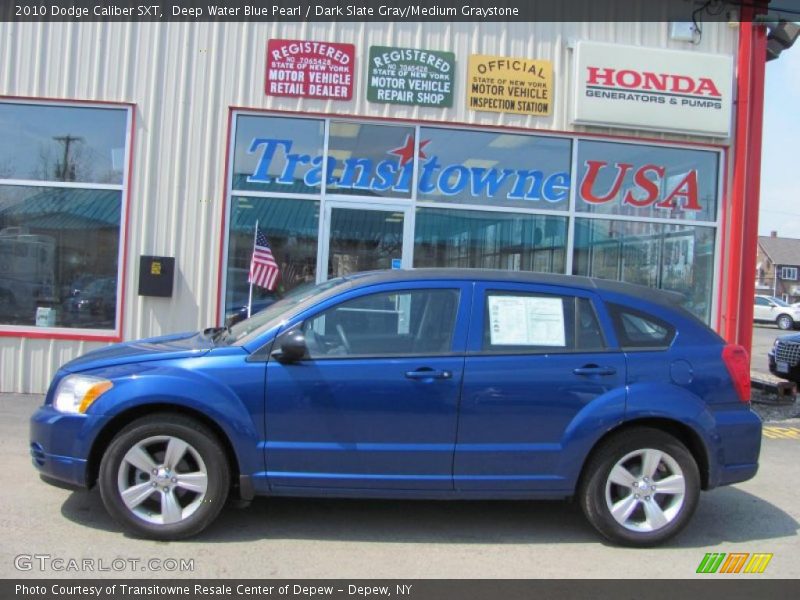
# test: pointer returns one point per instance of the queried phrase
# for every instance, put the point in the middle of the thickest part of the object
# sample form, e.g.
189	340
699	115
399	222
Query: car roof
663	297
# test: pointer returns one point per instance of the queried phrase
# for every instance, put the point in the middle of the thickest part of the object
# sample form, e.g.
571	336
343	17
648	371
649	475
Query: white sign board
648	88
526	321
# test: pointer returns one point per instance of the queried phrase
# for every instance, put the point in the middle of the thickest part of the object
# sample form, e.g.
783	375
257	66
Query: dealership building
138	159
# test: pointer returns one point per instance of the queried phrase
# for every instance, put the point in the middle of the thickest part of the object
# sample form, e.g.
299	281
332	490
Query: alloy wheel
645	490
162	480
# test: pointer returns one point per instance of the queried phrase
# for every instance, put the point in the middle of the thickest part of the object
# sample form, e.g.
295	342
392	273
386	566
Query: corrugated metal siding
183	77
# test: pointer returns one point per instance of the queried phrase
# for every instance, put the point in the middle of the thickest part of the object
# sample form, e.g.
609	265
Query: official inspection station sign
514	85
307	69
411	76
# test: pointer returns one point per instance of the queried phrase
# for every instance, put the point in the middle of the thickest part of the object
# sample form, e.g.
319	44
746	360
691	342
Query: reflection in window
370	160
647	181
58	251
490	240
291	228
364	240
45	142
500	169
666	256
276	154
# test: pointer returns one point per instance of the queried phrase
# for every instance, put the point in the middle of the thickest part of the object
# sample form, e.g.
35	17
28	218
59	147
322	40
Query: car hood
792	337
181	345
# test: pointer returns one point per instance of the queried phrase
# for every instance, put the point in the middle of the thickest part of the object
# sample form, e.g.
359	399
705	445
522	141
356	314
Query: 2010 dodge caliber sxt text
461	384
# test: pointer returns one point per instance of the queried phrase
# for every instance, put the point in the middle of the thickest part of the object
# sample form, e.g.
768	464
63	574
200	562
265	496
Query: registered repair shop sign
514	85
411	76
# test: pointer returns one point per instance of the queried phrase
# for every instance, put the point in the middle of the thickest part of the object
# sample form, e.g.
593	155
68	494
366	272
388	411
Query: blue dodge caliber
458	384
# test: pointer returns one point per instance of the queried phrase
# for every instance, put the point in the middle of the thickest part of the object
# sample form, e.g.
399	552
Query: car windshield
779	302
246	330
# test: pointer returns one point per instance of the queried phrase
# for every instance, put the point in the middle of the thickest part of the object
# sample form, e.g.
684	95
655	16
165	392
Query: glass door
364	237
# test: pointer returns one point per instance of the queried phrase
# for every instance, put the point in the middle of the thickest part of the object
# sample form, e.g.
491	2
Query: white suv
769	309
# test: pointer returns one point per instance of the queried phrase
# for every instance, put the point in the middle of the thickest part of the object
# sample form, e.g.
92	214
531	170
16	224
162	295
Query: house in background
778	267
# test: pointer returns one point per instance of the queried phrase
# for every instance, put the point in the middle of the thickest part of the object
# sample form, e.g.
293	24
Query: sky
780	160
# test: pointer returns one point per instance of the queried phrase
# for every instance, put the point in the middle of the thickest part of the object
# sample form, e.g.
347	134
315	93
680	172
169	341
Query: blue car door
538	369
374	404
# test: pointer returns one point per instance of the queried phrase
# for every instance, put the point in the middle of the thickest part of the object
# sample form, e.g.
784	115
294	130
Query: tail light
738	364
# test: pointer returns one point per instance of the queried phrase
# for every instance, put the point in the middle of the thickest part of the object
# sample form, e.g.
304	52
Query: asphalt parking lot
288	538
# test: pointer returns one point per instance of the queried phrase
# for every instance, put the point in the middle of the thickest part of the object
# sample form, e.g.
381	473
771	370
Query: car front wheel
640	487
164	477
785	322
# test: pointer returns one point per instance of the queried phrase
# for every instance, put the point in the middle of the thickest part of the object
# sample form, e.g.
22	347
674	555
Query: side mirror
292	347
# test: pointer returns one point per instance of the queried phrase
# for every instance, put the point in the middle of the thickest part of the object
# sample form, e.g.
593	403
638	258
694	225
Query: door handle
426	373
594	370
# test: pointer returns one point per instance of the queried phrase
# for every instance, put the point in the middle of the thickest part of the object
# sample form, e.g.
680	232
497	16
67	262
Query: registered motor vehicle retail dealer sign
514	85
649	88
411	76
307	69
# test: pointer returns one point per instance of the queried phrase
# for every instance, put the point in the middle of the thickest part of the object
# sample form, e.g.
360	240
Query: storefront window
58	250
62	143
647	181
290	227
370	160
60	243
671	257
496	169
276	154
641	213
489	240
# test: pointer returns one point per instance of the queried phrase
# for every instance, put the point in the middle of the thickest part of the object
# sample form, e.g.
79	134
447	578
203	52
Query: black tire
785	322
593	487
203	444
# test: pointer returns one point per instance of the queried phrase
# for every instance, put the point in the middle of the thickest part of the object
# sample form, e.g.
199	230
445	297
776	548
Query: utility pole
65	172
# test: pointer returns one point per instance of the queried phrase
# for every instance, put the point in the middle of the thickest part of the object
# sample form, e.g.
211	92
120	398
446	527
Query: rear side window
519	322
636	329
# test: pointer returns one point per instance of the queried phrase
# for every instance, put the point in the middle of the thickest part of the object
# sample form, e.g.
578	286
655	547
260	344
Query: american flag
264	270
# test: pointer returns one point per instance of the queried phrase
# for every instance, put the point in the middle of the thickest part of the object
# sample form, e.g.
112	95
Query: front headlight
76	393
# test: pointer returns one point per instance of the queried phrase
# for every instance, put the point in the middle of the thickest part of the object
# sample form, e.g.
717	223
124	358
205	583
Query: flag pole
250	294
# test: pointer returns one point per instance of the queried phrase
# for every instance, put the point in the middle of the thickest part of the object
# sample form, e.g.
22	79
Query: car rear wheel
164	477
640	487
785	322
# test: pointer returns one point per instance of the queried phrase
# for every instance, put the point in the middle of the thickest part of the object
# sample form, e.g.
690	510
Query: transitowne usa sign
648	88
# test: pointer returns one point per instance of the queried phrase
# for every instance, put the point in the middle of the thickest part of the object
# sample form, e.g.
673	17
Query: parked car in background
768	309
784	357
94	305
430	383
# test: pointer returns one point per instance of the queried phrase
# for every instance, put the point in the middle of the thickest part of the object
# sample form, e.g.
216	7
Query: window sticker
526	321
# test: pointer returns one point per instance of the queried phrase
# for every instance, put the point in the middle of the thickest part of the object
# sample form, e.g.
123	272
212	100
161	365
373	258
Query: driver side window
397	323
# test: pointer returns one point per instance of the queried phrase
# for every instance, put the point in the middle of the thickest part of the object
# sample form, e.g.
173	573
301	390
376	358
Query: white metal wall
182	77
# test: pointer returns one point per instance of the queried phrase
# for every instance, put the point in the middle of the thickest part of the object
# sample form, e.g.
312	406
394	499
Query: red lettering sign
630	79
304	69
648	181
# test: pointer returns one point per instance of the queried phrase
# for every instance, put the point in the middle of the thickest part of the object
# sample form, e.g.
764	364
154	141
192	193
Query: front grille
788	352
